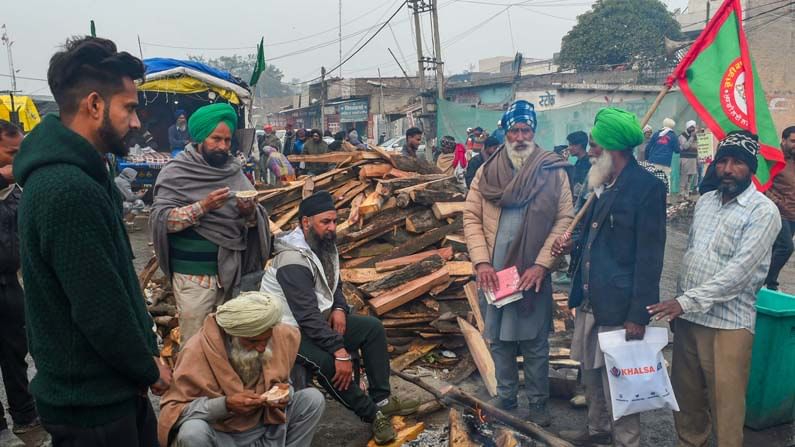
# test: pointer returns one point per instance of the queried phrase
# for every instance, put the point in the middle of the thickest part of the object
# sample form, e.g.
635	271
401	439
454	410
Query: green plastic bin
770	399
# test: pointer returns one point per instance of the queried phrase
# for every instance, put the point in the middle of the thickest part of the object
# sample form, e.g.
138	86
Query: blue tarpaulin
158	64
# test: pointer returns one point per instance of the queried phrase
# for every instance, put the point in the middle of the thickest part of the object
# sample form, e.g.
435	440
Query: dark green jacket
88	329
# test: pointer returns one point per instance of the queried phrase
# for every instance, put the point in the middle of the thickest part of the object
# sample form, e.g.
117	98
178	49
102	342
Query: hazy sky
300	35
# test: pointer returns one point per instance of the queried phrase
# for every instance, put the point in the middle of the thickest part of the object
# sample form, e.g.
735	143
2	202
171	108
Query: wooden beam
418	243
473	299
417	351
377	170
394	264
481	354
444	210
409	291
399	277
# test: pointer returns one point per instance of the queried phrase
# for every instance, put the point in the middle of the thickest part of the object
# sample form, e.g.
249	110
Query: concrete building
493	64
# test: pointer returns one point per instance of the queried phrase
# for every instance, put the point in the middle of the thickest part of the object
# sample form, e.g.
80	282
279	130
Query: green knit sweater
88	329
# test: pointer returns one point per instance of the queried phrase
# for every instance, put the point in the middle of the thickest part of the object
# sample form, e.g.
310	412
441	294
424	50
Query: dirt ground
341	428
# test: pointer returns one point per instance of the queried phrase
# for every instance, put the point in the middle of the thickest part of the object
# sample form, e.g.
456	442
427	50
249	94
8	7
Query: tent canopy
178	76
28	114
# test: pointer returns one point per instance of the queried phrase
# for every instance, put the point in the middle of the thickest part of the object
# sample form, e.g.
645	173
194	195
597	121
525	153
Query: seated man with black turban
304	275
205	238
618	259
218	397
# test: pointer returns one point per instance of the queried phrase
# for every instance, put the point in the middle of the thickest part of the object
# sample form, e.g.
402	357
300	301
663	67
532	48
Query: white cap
690	124
669	123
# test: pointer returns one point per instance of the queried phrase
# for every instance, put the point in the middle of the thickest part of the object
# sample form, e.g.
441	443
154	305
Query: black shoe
539	413
582	437
20	429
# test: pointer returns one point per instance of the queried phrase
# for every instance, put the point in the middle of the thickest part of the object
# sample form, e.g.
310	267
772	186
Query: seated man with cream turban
205	239
216	397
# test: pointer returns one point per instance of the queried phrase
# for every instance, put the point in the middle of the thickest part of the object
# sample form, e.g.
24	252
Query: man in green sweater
88	329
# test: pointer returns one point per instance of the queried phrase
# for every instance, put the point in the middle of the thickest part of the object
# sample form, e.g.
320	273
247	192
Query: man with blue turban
206	239
178	135
519	202
617	259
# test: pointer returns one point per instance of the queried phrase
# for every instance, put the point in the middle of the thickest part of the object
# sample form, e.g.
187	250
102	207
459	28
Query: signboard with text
353	111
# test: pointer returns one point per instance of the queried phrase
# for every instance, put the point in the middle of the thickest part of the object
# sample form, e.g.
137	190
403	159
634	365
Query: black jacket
472	168
9	237
619	252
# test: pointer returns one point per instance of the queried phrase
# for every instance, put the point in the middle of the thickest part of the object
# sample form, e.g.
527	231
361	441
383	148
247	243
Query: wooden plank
460	268
399	277
350	195
360	276
457	241
429	197
471	290
439	182
391	185
480	354
401	322
443	210
459	434
286	218
422	221
438	290
407	292
383	222
371	204
393	264
416	351
354	262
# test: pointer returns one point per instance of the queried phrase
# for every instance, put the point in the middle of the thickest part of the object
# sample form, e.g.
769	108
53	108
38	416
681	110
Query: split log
417	351
409	291
382	223
413	164
148	272
457	241
333	157
460	268
392	264
360	276
354	298
429	197
378	170
459	434
401	322
350	195
506	438
389	186
445	182
531	429
471	290
406	274
443	210
422	221
480	353
418	243
403	199
371	249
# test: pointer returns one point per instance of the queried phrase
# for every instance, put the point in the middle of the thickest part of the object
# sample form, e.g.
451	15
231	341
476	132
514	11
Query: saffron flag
259	67
718	79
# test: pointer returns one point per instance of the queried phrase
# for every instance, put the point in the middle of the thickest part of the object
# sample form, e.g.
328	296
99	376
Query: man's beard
518	153
735	188
248	364
601	169
326	251
112	140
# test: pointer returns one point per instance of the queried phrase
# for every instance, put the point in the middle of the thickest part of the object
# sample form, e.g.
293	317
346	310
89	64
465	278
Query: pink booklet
507	292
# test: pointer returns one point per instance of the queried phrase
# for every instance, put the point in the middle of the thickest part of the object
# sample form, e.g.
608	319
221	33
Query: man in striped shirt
726	262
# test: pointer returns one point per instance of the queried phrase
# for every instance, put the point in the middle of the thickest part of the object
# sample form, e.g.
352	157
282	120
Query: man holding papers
518	204
618	259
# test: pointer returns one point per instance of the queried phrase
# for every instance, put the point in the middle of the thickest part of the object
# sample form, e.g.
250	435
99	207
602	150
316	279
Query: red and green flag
718	79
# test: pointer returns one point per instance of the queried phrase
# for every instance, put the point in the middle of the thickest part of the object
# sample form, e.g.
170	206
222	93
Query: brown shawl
536	185
445	163
203	370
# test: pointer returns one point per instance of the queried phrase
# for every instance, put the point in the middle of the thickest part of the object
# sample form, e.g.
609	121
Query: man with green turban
206	239
618	258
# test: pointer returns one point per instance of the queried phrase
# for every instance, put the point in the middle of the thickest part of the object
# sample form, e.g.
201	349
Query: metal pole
437	49
418	38
322	99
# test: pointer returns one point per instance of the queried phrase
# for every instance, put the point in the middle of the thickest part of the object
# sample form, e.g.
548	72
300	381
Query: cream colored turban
249	315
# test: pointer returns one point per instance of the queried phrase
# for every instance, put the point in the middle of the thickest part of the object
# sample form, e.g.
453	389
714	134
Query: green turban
204	120
249	315
616	129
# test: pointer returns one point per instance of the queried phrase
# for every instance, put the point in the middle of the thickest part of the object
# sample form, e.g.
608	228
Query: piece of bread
251	194
276	394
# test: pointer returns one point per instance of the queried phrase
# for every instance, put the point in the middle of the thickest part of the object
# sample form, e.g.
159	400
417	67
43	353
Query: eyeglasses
522	130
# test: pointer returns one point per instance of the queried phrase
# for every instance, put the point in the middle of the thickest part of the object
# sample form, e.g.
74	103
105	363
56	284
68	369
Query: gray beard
248	364
519	154
600	171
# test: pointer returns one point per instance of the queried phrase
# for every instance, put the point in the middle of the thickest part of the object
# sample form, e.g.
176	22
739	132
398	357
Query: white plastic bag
636	372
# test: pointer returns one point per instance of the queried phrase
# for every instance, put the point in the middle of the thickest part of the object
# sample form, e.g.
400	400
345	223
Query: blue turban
521	111
179	112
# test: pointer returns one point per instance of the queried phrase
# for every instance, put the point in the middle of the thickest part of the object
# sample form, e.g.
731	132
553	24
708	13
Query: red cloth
460	156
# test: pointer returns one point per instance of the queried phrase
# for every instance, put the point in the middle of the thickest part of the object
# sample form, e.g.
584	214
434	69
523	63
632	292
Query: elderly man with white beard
618	259
519	202
231	385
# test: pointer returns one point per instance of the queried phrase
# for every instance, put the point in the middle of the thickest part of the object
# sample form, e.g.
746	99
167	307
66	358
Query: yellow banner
184	84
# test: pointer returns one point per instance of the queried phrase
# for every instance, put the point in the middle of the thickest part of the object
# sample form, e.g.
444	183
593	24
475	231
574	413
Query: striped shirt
180	219
727	259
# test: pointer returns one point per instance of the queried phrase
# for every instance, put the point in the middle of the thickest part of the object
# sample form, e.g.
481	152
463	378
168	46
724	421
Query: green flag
93	30
719	80
259	67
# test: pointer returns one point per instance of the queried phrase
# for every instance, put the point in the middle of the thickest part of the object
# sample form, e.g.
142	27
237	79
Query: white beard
248	364
519	154
600	171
